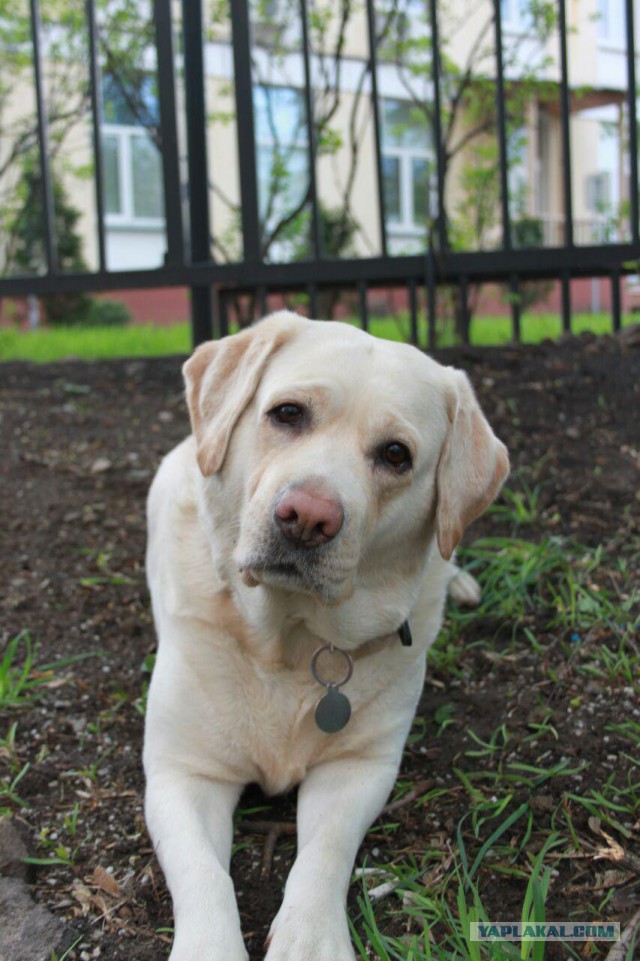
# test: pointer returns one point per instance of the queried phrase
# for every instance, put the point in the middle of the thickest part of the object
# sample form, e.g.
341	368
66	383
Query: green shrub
107	313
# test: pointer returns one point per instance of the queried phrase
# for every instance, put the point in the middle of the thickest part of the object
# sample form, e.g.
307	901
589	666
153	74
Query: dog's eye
396	456
290	414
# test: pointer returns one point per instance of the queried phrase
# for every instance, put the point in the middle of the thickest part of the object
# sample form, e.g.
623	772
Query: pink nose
308	518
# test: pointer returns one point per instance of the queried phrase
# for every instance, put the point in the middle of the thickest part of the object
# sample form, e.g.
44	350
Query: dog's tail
463	588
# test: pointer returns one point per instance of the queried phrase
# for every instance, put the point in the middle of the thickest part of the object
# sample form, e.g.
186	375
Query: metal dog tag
333	711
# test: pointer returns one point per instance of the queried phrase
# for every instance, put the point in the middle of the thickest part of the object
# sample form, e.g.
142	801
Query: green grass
491	330
578	606
94	343
102	343
21	679
438	908
537	327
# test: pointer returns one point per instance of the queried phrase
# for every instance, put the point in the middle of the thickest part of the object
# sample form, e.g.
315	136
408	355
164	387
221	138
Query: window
516	14
408	172
131	161
598	192
282	151
611	22
518	170
604	19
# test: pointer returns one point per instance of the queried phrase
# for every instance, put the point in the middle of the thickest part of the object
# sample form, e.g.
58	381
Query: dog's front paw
310	936
199	945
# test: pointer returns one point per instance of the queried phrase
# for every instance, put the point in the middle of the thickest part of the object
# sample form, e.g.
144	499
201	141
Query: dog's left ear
221	378
473	466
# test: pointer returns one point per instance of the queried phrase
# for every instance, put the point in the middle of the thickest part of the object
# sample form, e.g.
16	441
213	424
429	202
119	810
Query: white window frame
406	226
611	24
513	18
286	144
127	218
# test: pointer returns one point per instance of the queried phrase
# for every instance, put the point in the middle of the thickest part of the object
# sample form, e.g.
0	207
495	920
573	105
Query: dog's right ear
222	376
473	466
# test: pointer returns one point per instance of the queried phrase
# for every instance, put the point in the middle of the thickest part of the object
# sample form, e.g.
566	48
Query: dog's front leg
191	822
337	802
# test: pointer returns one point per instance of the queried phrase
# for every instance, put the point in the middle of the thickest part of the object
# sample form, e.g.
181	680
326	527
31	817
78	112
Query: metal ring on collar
337	650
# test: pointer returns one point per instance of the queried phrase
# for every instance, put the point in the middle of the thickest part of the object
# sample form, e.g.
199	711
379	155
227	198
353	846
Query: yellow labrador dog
300	551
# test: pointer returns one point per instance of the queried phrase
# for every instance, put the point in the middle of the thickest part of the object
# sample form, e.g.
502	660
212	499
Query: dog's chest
274	732
261	713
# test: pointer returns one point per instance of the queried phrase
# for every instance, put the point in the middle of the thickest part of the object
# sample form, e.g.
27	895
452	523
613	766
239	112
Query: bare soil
81	442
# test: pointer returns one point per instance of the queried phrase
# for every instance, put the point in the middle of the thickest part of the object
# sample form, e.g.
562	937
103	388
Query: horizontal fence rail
189	164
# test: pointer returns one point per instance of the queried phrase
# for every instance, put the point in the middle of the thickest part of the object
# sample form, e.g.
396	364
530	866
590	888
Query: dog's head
337	456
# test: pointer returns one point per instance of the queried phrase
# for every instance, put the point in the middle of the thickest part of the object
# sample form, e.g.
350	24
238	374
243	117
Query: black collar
404	632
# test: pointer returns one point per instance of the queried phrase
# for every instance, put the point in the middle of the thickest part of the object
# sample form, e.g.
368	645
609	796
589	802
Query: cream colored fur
232	698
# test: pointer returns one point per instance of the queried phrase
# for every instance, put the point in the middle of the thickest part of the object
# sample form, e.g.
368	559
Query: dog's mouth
309	573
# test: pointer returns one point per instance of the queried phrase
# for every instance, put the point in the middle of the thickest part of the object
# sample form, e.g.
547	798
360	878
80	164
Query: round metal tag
333	711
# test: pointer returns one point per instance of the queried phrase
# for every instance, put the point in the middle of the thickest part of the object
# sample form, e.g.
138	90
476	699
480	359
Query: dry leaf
83	894
106	882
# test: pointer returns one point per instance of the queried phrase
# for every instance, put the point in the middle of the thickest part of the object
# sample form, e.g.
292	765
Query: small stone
12	851
100	465
27	930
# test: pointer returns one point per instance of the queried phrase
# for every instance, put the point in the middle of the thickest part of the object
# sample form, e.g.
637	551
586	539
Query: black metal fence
439	264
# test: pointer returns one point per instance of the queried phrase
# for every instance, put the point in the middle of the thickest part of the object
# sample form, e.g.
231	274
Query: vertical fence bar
616	306
463	287
312	293
565	111
437	121
430	290
48	206
174	256
413	312
263	300
363	305
316	231
241	40
223	313
95	83
516	309
566	301
633	120
196	118
373	67
502	128
215	308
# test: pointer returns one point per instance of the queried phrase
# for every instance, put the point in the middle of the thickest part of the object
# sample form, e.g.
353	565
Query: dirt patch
81	443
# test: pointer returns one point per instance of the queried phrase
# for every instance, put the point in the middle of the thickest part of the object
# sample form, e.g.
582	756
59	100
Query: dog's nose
308	518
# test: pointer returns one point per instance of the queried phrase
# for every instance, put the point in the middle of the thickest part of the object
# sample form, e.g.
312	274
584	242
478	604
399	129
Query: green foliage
337	231
528	232
27	254
26	251
107	313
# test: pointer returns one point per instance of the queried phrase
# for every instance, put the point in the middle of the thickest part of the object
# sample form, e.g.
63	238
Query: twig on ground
273	829
619	951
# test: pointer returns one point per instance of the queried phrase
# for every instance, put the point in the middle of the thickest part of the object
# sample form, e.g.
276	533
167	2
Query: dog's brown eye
396	456
290	414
